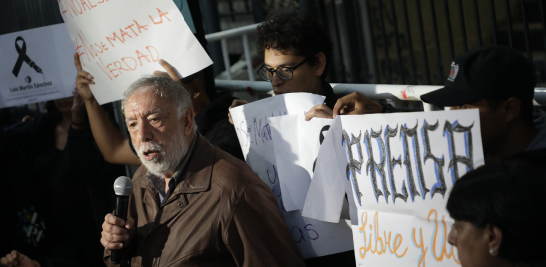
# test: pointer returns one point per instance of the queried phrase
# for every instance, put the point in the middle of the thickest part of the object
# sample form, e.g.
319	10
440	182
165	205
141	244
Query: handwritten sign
296	148
119	41
399	169
314	237
36	66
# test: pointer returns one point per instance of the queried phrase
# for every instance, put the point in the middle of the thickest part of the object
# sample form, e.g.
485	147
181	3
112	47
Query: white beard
164	161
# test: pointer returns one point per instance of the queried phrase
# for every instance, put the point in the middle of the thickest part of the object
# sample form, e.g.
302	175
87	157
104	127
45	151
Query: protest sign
314	237
400	169
296	145
37	66
119	41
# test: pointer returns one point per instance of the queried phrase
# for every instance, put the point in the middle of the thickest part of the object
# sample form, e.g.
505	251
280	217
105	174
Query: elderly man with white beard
192	204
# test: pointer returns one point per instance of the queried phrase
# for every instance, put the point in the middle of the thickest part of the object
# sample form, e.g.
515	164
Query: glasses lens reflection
284	73
264	74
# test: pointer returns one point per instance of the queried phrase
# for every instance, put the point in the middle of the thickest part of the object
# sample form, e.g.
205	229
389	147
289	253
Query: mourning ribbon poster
37	65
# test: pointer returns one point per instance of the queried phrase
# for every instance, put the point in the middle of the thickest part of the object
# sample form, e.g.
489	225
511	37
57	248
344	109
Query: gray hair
173	91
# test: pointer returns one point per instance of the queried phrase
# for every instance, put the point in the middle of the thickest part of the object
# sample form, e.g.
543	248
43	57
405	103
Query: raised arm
114	147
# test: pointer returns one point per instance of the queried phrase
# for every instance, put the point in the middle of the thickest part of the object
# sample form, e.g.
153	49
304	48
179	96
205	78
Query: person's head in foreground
160	119
498	81
499	211
195	85
297	53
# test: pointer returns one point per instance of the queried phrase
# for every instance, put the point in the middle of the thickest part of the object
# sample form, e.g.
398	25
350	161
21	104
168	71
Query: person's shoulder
540	122
539	141
140	175
232	174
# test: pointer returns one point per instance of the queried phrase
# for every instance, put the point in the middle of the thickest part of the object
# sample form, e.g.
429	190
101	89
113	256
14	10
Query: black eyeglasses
283	72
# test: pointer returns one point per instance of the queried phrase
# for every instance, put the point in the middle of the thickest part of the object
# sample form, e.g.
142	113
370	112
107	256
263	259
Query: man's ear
188	120
511	108
493	237
194	88
197	87
320	64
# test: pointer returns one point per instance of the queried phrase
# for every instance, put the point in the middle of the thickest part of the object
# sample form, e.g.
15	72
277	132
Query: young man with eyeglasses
297	57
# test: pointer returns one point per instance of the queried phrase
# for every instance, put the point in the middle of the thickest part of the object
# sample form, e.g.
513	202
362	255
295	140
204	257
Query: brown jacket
220	214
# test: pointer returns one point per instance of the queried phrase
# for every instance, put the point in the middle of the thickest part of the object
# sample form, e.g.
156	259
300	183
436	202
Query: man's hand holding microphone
117	230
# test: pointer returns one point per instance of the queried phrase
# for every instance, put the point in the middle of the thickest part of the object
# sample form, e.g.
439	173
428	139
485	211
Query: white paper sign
119	41
314	237
401	168
37	65
327	190
296	148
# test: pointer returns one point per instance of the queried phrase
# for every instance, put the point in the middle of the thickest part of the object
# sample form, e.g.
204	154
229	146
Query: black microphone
123	186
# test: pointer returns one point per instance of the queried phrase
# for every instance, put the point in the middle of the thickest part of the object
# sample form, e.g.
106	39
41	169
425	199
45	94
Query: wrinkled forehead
144	100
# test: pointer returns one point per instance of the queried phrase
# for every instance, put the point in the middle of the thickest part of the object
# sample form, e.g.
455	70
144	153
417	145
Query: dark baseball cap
495	72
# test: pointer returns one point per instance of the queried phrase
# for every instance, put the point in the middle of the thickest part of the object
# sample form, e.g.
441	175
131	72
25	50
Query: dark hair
508	195
300	31
52	112
200	75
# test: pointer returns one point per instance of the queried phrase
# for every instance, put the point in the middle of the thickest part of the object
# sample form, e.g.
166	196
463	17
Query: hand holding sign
354	104
131	42
171	71
396	170
257	140
319	111
83	79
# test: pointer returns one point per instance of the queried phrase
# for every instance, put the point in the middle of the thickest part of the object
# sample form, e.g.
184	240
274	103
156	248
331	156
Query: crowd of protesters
60	166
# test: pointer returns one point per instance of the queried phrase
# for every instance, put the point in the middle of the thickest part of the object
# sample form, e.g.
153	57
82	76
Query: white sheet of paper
47	49
296	147
119	41
328	188
314	237
402	167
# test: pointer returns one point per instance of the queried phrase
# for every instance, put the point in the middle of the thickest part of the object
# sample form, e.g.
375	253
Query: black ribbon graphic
22	51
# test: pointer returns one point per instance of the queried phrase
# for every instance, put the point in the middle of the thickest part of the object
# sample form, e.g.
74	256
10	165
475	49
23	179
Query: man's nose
145	131
276	81
451	238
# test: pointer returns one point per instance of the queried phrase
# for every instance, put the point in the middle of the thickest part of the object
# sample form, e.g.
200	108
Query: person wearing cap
500	82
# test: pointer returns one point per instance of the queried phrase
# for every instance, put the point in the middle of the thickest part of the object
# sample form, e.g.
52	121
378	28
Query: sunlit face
64	105
156	131
471	244
491	124
304	78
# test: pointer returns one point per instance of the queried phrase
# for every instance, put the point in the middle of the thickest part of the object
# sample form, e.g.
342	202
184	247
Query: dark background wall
20	15
376	41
